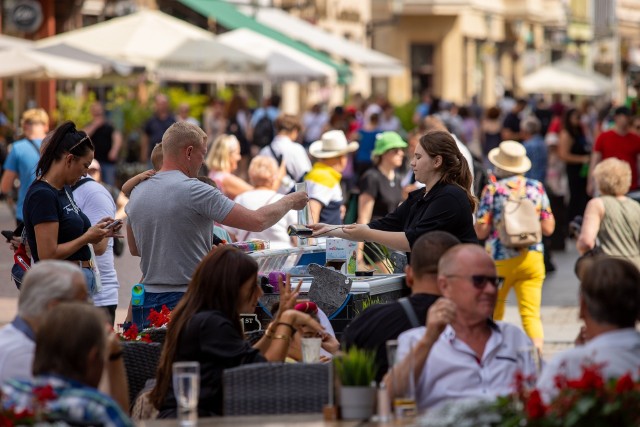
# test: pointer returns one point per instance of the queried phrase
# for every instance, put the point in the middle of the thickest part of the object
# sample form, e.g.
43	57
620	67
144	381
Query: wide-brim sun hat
386	141
332	144
510	156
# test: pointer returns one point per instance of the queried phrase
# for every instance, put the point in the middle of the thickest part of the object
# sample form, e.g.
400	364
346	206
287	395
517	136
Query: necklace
45	180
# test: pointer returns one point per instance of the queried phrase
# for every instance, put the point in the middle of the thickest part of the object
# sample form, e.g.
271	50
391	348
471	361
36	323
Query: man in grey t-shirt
171	217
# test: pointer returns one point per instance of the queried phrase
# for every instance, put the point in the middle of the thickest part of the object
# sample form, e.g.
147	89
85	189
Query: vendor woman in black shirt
55	227
445	203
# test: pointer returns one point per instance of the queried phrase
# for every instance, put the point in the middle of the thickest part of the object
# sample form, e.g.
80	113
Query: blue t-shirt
46	204
367	141
23	159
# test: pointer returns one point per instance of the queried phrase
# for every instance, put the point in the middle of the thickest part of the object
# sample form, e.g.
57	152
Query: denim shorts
156	301
90	279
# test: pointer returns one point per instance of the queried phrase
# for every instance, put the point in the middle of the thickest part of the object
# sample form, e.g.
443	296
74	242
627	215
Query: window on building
421	68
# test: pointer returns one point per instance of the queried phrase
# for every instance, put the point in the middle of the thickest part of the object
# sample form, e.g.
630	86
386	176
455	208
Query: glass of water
186	388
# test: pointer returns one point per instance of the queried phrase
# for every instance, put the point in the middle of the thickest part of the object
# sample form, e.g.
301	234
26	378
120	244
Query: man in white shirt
97	203
45	285
285	149
609	307
462	353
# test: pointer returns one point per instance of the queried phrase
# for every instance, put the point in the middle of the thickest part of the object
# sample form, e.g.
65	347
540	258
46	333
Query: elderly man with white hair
45	285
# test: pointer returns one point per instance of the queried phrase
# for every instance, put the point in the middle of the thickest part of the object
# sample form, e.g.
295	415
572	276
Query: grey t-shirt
172	220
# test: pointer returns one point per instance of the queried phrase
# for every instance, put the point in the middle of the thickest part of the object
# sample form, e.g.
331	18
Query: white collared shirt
16	354
453	371
618	350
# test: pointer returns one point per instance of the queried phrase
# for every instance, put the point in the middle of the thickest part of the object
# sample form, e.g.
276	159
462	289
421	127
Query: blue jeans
90	278
139	314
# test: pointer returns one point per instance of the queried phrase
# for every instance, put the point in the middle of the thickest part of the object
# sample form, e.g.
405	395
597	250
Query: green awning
231	18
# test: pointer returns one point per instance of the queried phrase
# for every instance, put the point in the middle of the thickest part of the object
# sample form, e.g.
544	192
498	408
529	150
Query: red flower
625	383
131	334
145	338
535	407
42	394
591	379
158	319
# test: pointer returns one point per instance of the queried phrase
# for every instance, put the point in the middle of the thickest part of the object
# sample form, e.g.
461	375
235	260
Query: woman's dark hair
215	285
65	139
455	169
574	130
493	113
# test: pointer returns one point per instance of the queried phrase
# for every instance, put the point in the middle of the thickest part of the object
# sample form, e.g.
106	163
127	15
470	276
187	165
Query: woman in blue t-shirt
55	227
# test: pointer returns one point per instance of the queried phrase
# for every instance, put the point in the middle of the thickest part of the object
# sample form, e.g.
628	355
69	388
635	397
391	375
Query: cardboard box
344	251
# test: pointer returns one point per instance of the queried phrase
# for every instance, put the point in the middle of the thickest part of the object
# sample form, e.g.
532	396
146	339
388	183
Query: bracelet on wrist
289	325
287	338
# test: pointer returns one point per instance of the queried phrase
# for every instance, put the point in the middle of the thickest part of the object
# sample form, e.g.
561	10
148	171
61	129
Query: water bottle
137	303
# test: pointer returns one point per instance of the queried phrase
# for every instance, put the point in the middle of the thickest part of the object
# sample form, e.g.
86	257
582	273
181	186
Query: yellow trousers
525	274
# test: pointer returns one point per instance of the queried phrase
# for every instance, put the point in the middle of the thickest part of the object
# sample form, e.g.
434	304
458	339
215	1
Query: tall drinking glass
186	387
304	216
404	397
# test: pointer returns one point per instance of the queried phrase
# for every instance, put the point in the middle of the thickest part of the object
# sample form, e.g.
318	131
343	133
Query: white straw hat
332	144
510	156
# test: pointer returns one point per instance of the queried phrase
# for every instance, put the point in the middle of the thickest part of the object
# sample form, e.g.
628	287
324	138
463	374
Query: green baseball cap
386	141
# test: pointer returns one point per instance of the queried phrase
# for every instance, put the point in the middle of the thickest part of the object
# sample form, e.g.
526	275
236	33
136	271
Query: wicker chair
275	388
140	361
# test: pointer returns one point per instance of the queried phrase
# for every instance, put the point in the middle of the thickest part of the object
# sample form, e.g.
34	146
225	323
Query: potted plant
356	372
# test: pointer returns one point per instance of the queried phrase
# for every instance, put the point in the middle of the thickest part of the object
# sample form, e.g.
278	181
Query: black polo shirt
445	207
380	323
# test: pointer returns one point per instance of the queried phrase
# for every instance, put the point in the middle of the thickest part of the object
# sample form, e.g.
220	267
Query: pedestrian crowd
511	177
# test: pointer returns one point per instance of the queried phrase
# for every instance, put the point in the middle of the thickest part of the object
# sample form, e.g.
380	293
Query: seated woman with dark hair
205	327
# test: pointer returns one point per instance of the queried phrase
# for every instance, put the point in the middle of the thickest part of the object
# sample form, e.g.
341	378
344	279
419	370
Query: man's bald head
181	135
461	257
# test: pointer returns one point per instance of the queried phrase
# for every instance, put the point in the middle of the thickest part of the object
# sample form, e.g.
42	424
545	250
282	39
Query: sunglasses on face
479	281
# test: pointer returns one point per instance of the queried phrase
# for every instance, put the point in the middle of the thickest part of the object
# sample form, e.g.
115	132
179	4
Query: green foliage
405	114
366	303
73	108
127	112
178	95
384	254
356	367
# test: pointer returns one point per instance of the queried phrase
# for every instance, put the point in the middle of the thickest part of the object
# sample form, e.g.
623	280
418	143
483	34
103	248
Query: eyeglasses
479	281
79	142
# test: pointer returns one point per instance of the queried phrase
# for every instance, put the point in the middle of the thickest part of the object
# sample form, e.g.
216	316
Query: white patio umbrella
565	76
109	66
144	37
7	42
28	64
207	60
283	63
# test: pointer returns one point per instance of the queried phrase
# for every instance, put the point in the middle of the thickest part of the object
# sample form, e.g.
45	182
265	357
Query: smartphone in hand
114	224
8	234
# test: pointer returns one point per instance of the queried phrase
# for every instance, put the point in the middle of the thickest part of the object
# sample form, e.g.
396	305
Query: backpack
520	226
263	132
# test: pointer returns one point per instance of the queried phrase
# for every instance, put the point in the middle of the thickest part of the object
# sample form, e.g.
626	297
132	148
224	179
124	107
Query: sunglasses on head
479	281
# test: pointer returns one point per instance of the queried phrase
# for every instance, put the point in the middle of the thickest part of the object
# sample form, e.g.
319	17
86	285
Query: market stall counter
341	296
